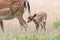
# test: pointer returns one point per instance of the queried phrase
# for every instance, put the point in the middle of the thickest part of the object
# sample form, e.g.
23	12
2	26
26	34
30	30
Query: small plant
35	37
56	38
17	37
8	36
56	24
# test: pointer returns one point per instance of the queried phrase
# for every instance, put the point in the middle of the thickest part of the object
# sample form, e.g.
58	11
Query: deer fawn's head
31	18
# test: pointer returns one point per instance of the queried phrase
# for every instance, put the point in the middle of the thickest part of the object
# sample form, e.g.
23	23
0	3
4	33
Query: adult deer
39	19
13	8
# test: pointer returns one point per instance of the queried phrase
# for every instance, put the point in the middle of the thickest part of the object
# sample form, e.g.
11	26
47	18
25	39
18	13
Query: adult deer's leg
20	17
22	22
1	23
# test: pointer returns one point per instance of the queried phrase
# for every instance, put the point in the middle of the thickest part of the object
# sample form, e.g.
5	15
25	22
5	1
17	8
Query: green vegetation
34	36
23	37
8	36
56	38
56	24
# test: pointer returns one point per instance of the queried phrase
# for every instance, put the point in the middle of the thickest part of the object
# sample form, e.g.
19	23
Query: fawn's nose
27	21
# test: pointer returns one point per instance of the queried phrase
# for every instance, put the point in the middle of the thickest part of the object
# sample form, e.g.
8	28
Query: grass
34	36
56	38
30	37
56	24
8	37
23	37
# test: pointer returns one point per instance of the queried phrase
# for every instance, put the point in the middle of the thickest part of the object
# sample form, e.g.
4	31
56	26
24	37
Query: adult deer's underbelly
6	14
7	17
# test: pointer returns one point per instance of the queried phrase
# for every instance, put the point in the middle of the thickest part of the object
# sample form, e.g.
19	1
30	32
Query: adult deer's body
39	19
10	9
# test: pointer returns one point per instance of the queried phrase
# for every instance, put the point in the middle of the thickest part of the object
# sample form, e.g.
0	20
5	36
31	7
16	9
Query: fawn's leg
41	26
37	25
44	23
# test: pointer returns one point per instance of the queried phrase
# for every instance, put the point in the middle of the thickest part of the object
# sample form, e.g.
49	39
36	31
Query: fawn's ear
34	15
